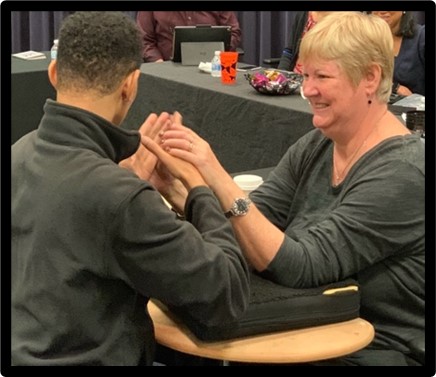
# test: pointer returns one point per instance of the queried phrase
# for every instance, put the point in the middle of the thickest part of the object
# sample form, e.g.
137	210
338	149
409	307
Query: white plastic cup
248	182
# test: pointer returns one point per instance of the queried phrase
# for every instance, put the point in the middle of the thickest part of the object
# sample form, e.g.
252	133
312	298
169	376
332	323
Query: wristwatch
239	207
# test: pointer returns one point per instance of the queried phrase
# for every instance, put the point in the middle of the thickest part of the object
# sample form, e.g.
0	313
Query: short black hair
407	25
97	50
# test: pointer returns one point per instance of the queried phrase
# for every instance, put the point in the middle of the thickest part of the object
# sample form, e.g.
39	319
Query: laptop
195	52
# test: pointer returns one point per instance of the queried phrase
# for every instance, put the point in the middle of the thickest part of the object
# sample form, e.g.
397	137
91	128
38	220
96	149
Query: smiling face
340	57
338	105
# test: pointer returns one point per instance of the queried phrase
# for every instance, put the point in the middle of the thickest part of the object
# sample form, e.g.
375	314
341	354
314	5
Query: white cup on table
248	182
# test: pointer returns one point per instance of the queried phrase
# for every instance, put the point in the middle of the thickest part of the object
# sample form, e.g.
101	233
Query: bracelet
179	216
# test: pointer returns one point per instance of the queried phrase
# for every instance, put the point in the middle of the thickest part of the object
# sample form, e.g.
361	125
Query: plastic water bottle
54	50
216	65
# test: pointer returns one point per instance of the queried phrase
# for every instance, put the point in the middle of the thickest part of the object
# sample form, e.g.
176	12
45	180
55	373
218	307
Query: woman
347	199
409	51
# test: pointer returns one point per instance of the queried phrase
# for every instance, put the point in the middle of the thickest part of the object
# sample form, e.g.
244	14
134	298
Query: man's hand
142	162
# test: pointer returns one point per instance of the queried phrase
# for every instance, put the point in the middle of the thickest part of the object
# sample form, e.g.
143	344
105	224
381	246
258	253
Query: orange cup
229	59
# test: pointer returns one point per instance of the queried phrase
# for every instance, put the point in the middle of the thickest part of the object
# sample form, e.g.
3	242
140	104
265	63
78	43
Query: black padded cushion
275	307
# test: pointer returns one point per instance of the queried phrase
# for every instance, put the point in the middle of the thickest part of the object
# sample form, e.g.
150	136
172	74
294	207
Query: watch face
241	206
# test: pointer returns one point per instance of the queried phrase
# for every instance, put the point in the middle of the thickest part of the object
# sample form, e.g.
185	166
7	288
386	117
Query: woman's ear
53	73
373	78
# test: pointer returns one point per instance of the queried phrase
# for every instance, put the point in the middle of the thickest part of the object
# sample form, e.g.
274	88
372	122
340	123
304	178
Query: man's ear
130	86
53	73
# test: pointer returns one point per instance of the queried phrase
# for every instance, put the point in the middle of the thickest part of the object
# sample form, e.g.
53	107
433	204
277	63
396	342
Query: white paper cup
248	182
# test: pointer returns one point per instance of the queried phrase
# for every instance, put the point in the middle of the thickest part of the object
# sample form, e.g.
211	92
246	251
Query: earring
404	12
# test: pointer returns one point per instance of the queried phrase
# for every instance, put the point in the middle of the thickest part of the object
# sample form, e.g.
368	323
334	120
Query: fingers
167	156
177	117
157	150
153	147
180	169
149	122
155	124
174	138
183	144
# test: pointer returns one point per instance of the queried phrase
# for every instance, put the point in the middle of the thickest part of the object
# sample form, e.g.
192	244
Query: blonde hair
355	41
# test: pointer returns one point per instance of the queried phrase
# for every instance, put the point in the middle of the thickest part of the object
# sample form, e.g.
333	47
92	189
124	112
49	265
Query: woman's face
332	97
392	18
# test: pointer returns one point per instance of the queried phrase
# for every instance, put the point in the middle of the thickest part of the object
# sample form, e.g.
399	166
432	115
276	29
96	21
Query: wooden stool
294	346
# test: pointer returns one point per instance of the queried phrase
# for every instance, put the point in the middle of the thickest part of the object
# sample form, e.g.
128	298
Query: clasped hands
171	157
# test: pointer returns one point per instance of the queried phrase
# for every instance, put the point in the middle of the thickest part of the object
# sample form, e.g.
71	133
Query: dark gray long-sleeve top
371	227
91	242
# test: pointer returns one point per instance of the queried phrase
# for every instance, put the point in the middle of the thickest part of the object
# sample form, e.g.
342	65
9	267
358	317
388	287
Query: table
30	87
296	346
246	129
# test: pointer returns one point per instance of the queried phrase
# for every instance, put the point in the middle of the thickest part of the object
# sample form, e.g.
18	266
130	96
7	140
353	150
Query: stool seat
294	346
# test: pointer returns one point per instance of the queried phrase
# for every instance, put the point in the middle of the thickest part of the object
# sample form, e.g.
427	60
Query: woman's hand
183	143
175	167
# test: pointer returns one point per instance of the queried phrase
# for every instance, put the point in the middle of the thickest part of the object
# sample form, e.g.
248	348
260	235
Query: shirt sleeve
195	264
147	25
229	18
378	214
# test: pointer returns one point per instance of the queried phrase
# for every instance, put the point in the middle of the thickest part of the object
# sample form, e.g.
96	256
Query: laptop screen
195	52
199	33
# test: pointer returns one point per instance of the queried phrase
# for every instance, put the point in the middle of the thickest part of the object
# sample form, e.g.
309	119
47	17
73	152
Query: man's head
97	51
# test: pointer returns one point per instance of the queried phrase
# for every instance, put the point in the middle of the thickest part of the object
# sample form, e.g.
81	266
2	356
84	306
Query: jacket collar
75	127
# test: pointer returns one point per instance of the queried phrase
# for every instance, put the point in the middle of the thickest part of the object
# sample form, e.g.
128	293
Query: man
157	30
92	241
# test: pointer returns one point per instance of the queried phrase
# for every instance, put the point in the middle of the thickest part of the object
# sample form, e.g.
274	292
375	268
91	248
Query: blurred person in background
303	22
409	51
158	27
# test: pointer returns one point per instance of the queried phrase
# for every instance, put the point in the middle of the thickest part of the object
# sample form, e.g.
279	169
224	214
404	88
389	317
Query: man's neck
104	106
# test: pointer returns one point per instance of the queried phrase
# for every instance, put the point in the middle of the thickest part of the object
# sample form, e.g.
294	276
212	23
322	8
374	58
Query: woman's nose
307	89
